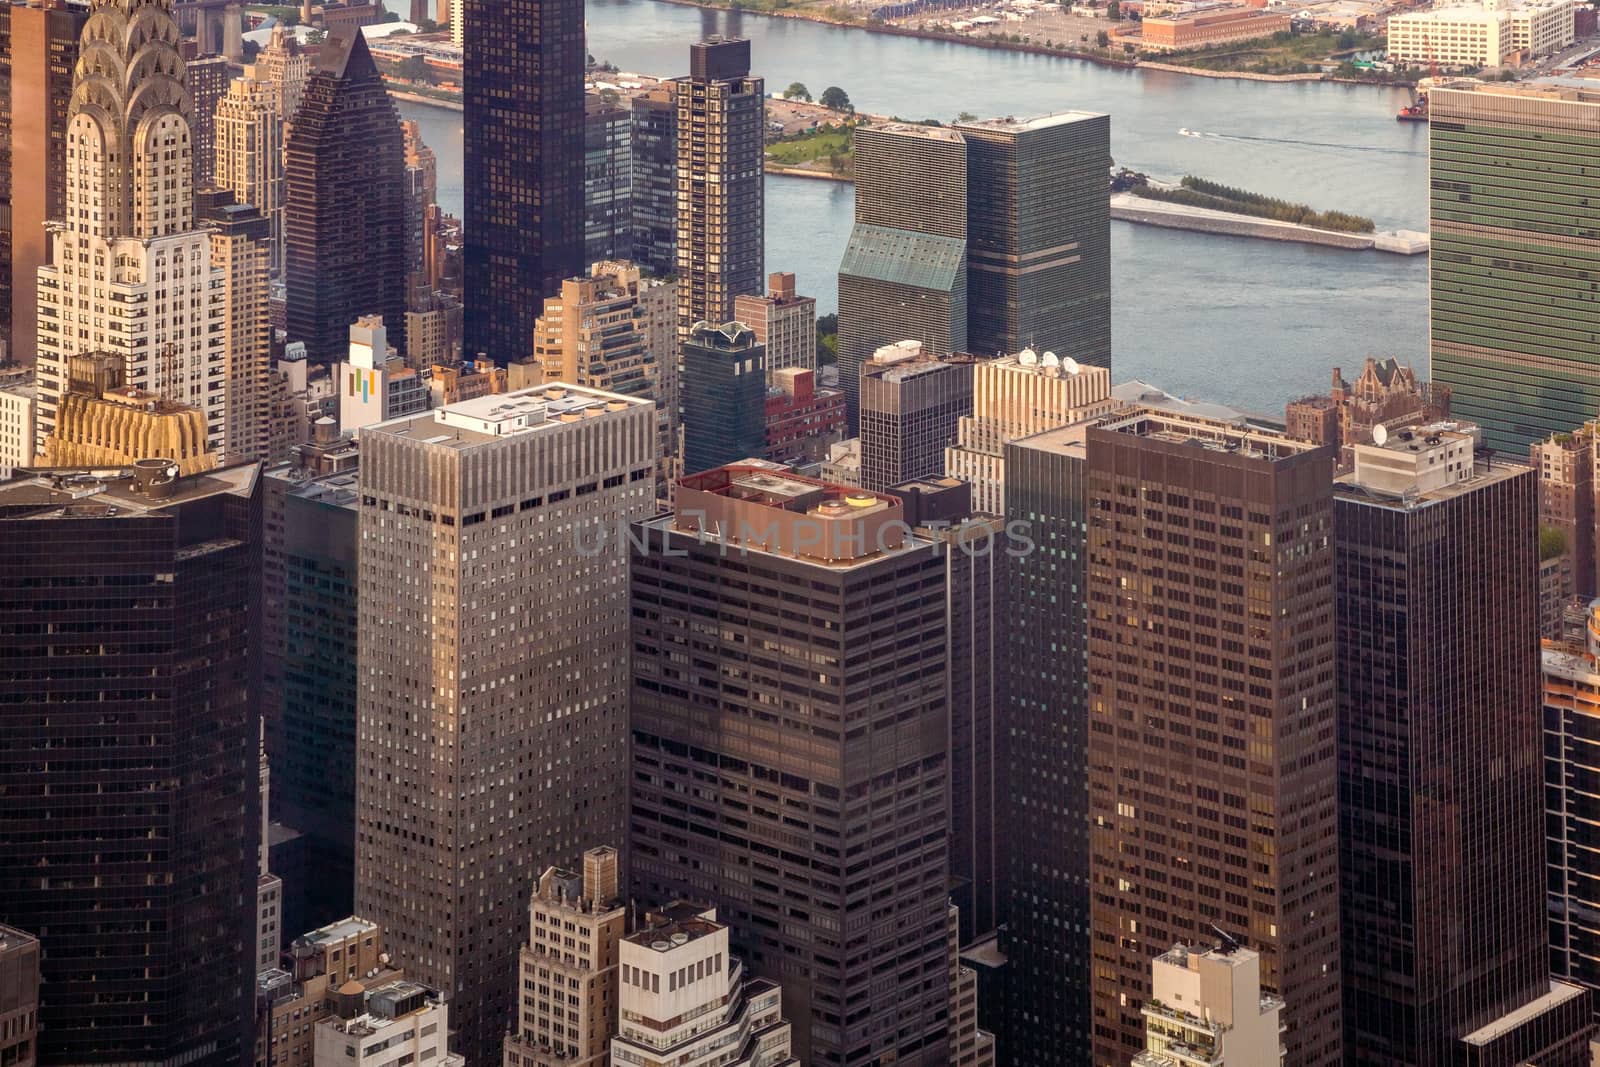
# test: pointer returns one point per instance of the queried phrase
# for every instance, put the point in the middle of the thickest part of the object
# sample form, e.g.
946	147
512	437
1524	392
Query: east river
1244	322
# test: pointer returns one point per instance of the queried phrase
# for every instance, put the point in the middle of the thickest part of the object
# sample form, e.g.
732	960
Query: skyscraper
41	54
285	69
206	78
1014	397
491	584
904	272
1039	235
607	178
1043	805
1572	758
310	566
1510	305
1441	790
344	223
128	235
249	149
567	1010
241	247
721	174
523	153
1212	758
724	391
655	179
762	775
912	404
134	861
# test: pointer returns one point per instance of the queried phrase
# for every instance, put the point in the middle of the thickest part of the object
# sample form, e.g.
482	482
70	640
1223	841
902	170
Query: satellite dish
1027	357
1049	360
1070	365
1380	435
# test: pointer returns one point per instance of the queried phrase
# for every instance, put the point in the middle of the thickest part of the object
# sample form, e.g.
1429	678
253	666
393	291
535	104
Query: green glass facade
1515	286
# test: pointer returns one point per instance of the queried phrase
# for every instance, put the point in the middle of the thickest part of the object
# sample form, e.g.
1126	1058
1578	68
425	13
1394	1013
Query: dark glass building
722	137
939	510
345	211
723	383
206	78
1044	805
607	179
790	762
1039	236
655	180
911	410
522	144
1441	842
129	759
904	271
1511	297
1213	767
311	737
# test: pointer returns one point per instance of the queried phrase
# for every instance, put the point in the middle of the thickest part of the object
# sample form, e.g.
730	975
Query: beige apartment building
290	1003
1014	397
785	323
569	967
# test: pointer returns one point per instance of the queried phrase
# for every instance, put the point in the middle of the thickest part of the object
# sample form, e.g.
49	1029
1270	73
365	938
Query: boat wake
1187	132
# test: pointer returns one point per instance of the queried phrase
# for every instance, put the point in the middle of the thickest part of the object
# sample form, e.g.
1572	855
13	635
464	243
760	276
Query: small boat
1416	111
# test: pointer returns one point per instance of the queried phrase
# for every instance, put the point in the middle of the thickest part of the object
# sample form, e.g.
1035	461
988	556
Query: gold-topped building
101	421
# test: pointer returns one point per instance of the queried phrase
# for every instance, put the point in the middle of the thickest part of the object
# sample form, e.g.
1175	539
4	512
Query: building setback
721	181
40	52
1441	851
154	659
904	271
1039	236
1511	170
522	142
1212	756
1044	805
490	581
764	778
344	223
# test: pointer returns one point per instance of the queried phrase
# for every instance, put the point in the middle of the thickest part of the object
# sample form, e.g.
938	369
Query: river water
1241	321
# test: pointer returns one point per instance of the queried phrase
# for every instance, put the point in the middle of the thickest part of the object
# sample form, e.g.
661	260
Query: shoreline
1029	49
1129	207
421	98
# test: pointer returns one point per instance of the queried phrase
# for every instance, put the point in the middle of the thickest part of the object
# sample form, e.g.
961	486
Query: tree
836	98
1114	11
1103	39
797	91
414	69
827	339
390	16
610	97
966	116
427	26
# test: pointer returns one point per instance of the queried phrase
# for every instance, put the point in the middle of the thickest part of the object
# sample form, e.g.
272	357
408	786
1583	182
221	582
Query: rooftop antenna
1228	939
